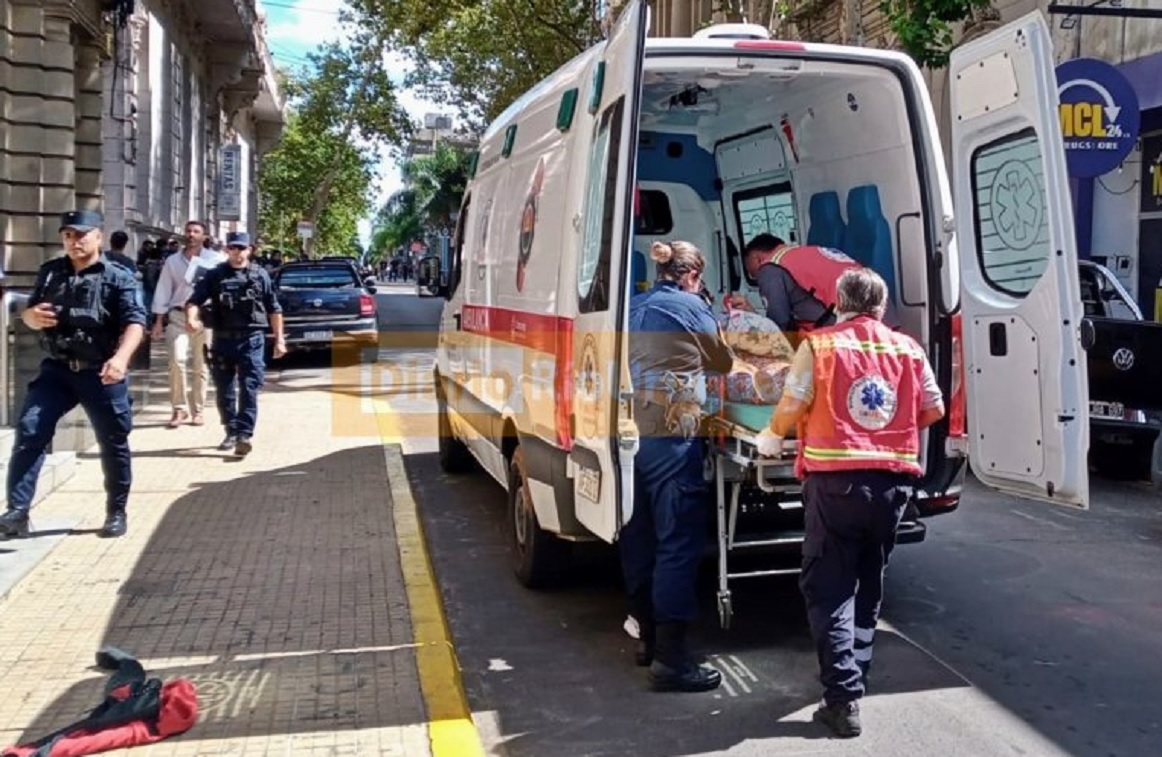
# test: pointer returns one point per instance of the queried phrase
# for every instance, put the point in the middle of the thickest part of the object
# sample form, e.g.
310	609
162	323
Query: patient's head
681	262
861	291
759	251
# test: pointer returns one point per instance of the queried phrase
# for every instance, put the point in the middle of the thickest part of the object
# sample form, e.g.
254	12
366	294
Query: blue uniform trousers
851	520
55	391
238	368
663	542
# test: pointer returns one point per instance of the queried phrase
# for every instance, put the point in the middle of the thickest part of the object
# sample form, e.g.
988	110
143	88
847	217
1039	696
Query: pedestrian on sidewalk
188	372
243	306
91	319
858	394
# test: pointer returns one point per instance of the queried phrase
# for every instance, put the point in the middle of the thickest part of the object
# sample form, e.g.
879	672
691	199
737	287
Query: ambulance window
457	255
766	210
1012	227
600	206
654	218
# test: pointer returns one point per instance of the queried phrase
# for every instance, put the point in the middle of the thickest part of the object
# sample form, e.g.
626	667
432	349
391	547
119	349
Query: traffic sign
306	229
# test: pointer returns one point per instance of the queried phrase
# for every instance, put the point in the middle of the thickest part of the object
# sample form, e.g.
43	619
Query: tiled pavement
273	582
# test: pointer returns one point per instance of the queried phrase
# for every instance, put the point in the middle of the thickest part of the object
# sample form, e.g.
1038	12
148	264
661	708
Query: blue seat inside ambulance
868	238
825	223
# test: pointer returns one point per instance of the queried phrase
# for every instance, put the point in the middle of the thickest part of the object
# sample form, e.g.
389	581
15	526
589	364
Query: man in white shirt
187	351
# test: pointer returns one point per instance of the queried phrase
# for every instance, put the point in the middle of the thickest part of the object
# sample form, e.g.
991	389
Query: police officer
243	307
858	395
91	319
674	341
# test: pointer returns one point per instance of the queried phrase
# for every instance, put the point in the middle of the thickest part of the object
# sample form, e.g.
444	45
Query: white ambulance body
727	135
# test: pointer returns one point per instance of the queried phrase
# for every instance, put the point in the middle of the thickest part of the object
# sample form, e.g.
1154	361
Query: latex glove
769	444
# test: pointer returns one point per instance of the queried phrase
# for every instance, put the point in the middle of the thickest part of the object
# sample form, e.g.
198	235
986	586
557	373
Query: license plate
589	484
1112	410
317	336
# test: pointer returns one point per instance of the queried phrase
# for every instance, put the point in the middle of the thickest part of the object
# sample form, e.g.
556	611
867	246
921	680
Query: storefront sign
230	184
1152	174
1099	116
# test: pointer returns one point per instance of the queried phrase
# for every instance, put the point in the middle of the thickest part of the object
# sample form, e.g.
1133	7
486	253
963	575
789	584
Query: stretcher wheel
725	610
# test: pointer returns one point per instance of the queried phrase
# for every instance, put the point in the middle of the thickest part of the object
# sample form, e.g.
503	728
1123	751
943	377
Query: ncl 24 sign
1099	115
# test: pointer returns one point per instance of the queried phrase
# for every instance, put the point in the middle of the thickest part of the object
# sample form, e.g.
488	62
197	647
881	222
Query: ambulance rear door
1025	364
602	455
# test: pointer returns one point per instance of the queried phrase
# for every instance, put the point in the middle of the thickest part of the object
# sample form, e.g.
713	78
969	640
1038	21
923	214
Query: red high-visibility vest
816	269
868	384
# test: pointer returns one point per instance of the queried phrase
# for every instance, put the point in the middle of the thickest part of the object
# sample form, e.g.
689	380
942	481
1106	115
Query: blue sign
1099	116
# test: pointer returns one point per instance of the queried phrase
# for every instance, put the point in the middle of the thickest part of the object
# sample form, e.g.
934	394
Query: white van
721	137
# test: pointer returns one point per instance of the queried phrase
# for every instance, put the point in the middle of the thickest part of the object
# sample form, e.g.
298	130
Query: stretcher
771	515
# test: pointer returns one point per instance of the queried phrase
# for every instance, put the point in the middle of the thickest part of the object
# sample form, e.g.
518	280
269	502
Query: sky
296	27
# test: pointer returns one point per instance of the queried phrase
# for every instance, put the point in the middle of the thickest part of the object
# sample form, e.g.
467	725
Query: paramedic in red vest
857	396
797	282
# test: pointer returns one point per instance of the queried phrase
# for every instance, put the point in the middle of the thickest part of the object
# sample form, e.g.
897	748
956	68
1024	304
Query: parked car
1125	371
326	304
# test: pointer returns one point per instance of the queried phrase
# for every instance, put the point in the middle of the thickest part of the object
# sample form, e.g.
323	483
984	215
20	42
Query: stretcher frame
737	463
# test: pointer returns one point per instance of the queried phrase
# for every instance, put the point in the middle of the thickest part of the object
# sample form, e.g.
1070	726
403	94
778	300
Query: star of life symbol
1016	205
871	402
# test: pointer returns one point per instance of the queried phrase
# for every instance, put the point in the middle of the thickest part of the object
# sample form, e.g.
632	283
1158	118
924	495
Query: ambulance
715	139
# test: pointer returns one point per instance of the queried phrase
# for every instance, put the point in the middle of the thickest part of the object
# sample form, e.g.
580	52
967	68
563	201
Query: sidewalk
274	582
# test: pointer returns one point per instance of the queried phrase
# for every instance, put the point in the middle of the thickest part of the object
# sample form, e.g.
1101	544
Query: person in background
674	341
188	372
118	241
244	308
857	396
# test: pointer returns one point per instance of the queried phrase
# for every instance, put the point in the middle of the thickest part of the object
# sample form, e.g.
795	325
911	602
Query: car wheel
453	454
539	557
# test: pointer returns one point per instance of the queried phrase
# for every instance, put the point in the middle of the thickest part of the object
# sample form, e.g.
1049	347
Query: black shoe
14	524
228	443
642	609
672	669
842	719
243	446
115	525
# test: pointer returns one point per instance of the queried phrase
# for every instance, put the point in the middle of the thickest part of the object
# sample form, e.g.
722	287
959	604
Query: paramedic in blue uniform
857	395
91	319
243	307
674	341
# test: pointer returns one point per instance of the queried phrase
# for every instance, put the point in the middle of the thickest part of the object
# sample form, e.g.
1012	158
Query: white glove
768	443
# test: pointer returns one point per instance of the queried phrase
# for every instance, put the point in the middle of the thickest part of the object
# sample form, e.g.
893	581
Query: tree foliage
288	180
479	55
924	28
436	185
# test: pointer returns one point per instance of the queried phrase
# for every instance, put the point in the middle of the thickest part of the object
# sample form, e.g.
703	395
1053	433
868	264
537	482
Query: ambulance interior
814	152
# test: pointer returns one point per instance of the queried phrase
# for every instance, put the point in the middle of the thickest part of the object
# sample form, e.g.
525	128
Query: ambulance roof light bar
734	31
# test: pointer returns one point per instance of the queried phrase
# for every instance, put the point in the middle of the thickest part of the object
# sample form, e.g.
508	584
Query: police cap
237	239
82	221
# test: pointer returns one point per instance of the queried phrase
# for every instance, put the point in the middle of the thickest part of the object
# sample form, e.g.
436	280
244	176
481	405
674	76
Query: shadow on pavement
280	595
557	667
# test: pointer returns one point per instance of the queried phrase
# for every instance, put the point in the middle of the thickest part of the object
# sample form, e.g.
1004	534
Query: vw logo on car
317	303
1124	359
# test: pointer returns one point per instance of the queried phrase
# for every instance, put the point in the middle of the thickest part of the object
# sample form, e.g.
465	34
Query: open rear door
604	443
1028	411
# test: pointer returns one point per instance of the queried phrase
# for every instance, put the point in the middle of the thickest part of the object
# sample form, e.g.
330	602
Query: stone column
89	102
119	130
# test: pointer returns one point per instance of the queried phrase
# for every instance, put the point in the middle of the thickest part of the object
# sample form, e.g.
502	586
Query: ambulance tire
539	558
453	454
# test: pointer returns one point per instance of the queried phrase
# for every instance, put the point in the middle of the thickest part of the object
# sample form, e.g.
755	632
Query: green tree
439	180
398	223
289	178
479	55
924	28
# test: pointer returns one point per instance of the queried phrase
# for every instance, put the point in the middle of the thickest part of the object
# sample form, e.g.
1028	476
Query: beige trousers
187	357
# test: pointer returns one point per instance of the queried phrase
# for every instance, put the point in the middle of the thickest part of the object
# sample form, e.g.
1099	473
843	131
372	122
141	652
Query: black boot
115	525
672	669
642	607
842	719
14	524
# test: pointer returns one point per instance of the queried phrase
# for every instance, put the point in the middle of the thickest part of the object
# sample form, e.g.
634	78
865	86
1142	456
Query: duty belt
76	366
652	396
235	333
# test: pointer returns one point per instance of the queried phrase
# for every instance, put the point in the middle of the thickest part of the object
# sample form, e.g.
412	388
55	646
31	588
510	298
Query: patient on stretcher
763	354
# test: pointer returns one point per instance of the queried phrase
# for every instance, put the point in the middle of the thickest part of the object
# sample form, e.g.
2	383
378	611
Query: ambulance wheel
538	556
454	455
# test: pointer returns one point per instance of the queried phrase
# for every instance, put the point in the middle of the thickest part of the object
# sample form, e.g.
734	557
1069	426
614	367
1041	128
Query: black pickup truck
1125	378
325	304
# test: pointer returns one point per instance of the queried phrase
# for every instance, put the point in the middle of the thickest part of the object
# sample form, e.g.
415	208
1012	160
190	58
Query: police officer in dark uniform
243	307
674	341
91	319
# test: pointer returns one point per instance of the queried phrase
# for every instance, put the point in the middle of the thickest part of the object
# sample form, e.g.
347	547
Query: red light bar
770	44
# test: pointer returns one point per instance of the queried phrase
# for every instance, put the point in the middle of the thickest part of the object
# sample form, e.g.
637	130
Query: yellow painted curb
451	730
